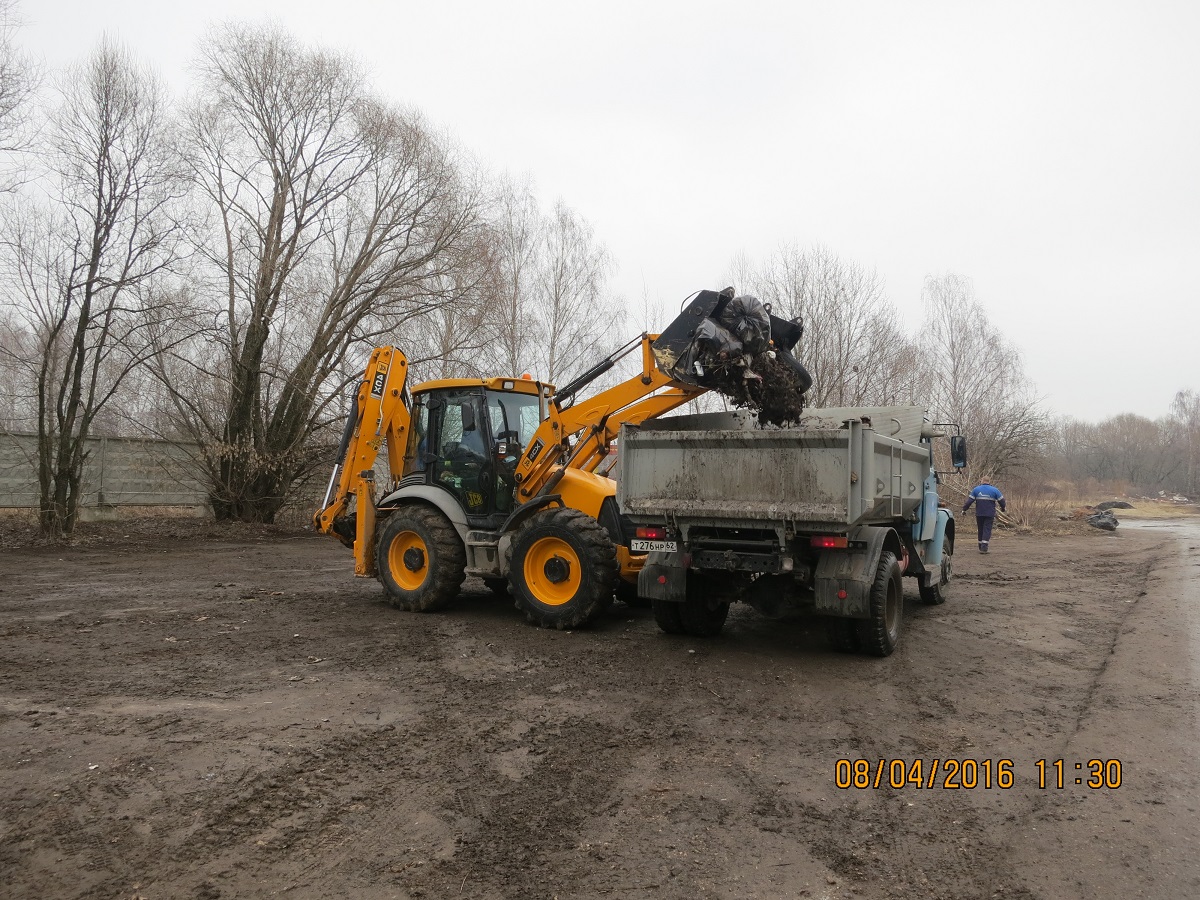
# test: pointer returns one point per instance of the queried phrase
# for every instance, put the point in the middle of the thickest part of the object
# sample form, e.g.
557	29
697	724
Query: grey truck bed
836	469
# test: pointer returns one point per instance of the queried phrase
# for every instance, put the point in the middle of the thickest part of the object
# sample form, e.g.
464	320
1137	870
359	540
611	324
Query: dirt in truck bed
199	717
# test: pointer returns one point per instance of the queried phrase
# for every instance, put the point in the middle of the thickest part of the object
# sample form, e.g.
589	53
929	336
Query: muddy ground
196	717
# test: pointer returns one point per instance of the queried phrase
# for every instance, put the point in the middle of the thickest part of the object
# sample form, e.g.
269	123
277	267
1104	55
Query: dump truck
821	517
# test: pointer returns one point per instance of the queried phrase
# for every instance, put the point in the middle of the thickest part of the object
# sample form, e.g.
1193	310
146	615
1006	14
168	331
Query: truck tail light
830	542
651	533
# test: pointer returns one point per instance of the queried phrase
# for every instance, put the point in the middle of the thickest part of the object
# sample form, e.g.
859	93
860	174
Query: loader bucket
673	344
675	338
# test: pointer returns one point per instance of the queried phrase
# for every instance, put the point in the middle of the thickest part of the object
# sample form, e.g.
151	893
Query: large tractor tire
880	634
562	568
704	611
933	585
420	558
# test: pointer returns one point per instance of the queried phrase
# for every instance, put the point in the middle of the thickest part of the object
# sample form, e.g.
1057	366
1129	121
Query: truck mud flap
842	584
663	578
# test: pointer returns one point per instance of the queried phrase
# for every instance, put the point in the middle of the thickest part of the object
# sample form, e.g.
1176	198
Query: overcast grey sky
1049	151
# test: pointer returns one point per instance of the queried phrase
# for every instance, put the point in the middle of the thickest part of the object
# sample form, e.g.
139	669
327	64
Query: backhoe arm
380	413
597	420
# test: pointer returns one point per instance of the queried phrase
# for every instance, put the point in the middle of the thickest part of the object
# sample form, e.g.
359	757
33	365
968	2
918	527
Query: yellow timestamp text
969	774
1094	773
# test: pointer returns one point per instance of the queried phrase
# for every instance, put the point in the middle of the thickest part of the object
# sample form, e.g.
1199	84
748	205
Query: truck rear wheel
668	615
933	585
880	634
704	610
562	567
420	559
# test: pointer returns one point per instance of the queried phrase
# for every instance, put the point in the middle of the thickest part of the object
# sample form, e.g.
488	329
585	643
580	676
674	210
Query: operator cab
467	436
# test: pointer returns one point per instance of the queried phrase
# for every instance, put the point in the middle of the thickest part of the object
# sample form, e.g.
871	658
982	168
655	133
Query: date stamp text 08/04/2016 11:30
969	774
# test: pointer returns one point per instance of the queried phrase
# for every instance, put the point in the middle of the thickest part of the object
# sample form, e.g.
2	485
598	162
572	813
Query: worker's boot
983	546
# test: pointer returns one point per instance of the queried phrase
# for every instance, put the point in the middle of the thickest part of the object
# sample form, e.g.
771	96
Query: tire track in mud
1108	629
339	810
522	839
347	798
512	762
192	829
1139	710
1139	574
892	838
878	837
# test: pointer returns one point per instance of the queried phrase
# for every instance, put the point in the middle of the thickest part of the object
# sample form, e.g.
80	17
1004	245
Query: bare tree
335	220
551	311
1143	452
516	226
18	406
976	378
577	322
18	78
82	267
452	340
1125	451
1185	410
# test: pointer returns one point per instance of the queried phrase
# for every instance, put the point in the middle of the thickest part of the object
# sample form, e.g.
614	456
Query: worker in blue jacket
985	497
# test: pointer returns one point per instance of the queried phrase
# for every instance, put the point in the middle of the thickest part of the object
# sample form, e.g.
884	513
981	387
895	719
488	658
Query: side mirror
958	451
468	417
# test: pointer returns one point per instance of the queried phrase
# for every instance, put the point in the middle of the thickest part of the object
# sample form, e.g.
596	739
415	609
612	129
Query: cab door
460	456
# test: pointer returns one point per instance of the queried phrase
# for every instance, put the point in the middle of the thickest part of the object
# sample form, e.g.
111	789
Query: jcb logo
378	383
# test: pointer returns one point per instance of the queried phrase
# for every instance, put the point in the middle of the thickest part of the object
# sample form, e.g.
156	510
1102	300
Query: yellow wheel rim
408	560
552	571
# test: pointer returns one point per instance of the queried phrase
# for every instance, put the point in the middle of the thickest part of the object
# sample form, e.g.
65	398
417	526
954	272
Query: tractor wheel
668	615
420	558
562	567
842	634
933	585
880	633
706	607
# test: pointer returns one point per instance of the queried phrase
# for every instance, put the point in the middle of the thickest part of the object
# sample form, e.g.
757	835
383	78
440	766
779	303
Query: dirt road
244	719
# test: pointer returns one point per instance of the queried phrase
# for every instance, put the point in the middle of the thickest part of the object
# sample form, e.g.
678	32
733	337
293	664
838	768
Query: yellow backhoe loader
497	477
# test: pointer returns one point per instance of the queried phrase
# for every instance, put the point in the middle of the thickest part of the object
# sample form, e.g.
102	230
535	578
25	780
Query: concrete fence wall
118	472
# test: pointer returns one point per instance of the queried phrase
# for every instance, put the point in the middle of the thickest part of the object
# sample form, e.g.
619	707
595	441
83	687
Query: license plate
653	546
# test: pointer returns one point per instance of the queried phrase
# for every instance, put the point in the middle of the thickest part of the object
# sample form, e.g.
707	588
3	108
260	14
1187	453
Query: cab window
513	417
418	438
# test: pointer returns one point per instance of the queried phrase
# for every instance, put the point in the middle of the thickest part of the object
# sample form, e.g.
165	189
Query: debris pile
1101	516
732	344
777	395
